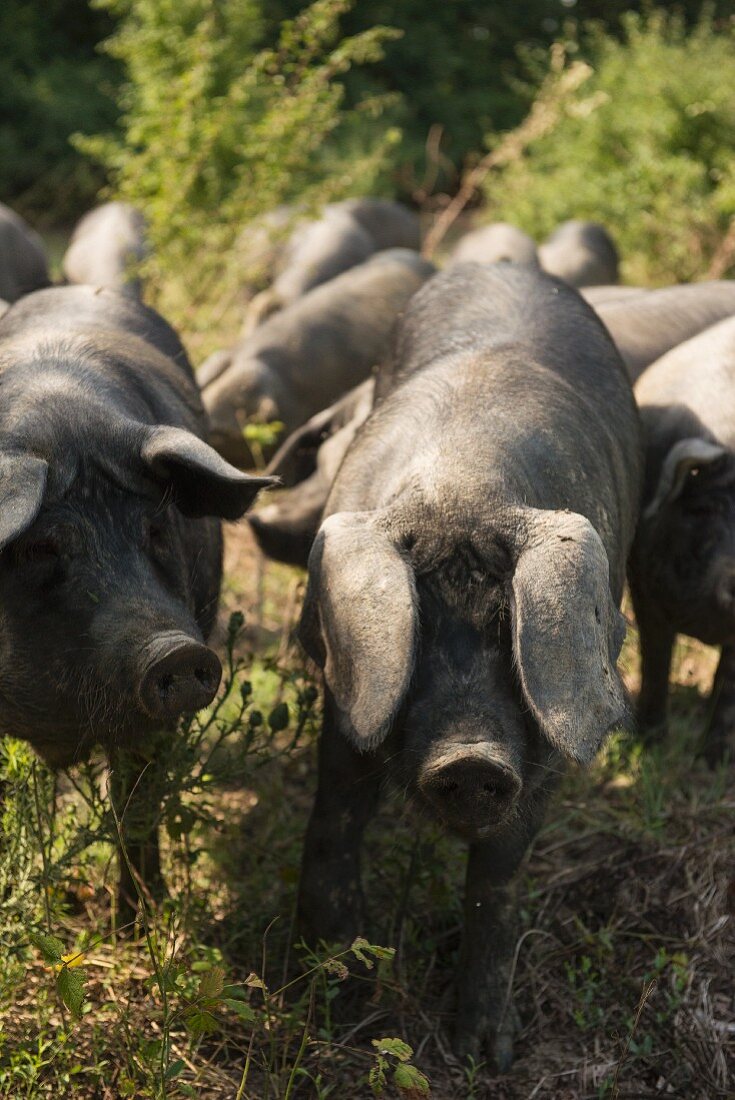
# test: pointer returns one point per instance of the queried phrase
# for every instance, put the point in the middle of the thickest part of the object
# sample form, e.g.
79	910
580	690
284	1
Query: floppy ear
22	486
359	623
203	483
683	458
567	633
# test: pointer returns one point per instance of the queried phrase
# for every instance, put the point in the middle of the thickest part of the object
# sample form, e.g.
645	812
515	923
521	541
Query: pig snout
472	787
180	676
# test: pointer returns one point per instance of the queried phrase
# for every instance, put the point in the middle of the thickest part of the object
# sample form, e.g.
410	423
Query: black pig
683	562
463	598
110	541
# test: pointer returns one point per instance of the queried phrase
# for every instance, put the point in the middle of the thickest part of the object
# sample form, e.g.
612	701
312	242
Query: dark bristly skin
463	599
682	570
646	326
110	541
23	263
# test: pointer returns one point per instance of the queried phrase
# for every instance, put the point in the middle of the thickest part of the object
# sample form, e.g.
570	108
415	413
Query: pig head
109	576
485	664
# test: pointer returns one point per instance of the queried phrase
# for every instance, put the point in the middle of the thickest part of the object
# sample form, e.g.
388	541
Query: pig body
682	568
581	253
603	295
496	243
110	507
23	264
106	246
346	235
646	326
307	356
463	598
389	224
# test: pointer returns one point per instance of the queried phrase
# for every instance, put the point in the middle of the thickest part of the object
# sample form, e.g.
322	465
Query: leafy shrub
215	133
646	148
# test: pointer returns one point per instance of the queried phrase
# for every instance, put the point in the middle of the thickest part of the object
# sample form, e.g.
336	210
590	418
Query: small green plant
393	1056
585	983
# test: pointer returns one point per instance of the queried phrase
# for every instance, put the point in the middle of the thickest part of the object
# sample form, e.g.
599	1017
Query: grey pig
682	569
496	243
110	509
305	357
646	326
346	234
581	253
463	597
23	264
106	248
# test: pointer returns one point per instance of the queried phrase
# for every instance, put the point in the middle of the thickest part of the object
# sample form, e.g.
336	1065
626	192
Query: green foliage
645	148
53	82
215	132
394	1056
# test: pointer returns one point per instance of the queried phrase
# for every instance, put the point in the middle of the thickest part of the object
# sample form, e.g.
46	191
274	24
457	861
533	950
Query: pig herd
475	461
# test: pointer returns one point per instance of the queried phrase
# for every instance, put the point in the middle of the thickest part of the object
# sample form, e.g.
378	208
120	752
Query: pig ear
359	623
22	486
203	483
682	460
567	633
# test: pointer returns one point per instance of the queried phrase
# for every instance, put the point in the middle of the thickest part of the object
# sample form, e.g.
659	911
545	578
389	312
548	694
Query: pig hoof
466	1047
503	1050
500	1047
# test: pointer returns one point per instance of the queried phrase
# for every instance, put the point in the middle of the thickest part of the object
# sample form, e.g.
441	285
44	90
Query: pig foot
486	1016
493	1042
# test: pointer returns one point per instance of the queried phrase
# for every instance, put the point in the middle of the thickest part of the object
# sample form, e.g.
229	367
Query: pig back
507	392
134	353
645	327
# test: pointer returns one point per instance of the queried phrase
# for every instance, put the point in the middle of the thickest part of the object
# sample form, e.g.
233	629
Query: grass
623	977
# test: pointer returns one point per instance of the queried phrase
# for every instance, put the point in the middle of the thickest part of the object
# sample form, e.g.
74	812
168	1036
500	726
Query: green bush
646	147
52	83
215	132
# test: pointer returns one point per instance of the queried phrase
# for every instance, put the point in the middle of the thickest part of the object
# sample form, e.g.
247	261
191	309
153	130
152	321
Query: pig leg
657	642
722	711
136	794
331	904
485	1012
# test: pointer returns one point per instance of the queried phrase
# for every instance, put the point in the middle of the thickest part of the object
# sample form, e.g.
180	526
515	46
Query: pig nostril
165	684
490	788
447	787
